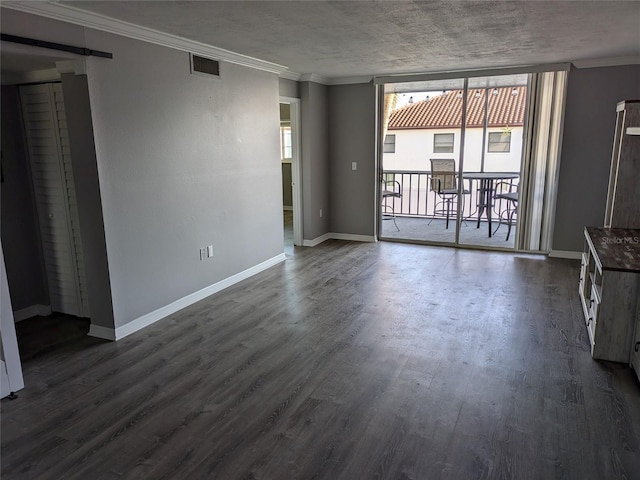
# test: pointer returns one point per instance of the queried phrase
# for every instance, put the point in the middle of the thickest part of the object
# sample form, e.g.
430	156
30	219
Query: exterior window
389	144
443	142
285	142
499	142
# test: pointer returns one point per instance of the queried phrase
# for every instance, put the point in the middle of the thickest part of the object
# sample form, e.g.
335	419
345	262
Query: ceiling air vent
204	66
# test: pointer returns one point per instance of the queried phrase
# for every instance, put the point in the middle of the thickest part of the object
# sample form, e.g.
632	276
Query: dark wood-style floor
42	335
347	361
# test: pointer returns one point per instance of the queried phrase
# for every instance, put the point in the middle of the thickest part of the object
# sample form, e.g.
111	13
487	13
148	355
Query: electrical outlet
203	253
320	213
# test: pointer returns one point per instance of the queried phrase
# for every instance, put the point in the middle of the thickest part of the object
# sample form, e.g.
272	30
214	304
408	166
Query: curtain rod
54	46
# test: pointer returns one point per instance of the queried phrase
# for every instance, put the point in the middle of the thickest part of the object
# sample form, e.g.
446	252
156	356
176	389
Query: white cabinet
609	290
635	347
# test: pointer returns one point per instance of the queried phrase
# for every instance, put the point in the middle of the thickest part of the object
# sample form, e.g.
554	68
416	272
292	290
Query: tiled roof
445	111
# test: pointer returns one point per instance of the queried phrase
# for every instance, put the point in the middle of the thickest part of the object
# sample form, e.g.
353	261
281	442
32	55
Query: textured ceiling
353	38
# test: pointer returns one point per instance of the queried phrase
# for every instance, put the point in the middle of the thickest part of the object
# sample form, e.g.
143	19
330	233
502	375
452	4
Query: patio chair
390	189
506	197
444	185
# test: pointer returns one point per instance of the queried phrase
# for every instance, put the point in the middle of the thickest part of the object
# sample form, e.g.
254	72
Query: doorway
46	132
291	172
40	227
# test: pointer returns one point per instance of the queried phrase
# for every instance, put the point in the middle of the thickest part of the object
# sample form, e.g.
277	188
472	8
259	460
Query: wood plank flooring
347	361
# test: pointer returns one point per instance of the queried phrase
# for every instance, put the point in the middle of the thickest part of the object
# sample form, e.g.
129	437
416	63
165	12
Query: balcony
413	215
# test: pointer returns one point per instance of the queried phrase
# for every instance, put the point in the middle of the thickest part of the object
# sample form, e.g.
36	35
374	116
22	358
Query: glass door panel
492	159
422	128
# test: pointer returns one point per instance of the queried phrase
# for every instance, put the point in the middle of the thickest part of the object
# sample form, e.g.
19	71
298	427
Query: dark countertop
617	248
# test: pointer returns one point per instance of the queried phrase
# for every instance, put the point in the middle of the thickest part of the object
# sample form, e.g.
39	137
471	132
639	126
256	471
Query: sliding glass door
471	160
452	160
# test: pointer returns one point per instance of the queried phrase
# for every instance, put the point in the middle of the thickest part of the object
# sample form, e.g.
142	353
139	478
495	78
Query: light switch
210	251
354	165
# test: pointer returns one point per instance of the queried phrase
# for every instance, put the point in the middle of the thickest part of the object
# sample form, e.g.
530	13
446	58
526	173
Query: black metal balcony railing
418	200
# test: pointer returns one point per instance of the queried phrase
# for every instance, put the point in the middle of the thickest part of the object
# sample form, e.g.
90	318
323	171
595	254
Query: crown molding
607	62
289	75
351	80
103	23
315	78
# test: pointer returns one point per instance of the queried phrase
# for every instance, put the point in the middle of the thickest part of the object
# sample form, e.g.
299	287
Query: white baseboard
152	317
338	236
31	311
102	332
565	254
352	237
316	241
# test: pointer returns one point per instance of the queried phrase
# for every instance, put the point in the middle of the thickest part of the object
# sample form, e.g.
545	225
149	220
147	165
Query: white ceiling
361	38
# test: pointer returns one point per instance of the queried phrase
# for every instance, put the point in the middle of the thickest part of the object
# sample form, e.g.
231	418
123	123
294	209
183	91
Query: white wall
414	148
184	161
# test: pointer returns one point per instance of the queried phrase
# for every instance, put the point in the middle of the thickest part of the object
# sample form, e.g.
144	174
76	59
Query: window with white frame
443	142
499	142
285	142
389	143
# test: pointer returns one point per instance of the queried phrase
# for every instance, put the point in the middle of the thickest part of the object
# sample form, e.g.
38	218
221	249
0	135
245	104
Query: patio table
486	187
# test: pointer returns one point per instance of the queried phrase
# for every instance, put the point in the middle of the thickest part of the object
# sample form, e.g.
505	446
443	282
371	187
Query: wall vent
204	66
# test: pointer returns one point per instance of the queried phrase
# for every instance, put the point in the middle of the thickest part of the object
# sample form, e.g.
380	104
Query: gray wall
289	88
184	161
352	139
19	221
589	125
314	113
85	174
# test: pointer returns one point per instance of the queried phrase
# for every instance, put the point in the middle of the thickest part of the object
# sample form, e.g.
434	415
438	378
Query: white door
48	142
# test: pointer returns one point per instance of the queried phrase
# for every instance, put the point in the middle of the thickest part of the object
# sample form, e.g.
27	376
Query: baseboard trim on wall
31	311
316	241
565	254
338	236
152	317
353	238
105	333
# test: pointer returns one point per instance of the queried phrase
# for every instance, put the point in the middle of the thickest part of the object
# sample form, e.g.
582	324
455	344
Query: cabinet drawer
635	348
635	358
584	267
591	329
594	303
592	317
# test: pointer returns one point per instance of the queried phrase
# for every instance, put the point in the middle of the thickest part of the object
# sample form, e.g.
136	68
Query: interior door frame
296	168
